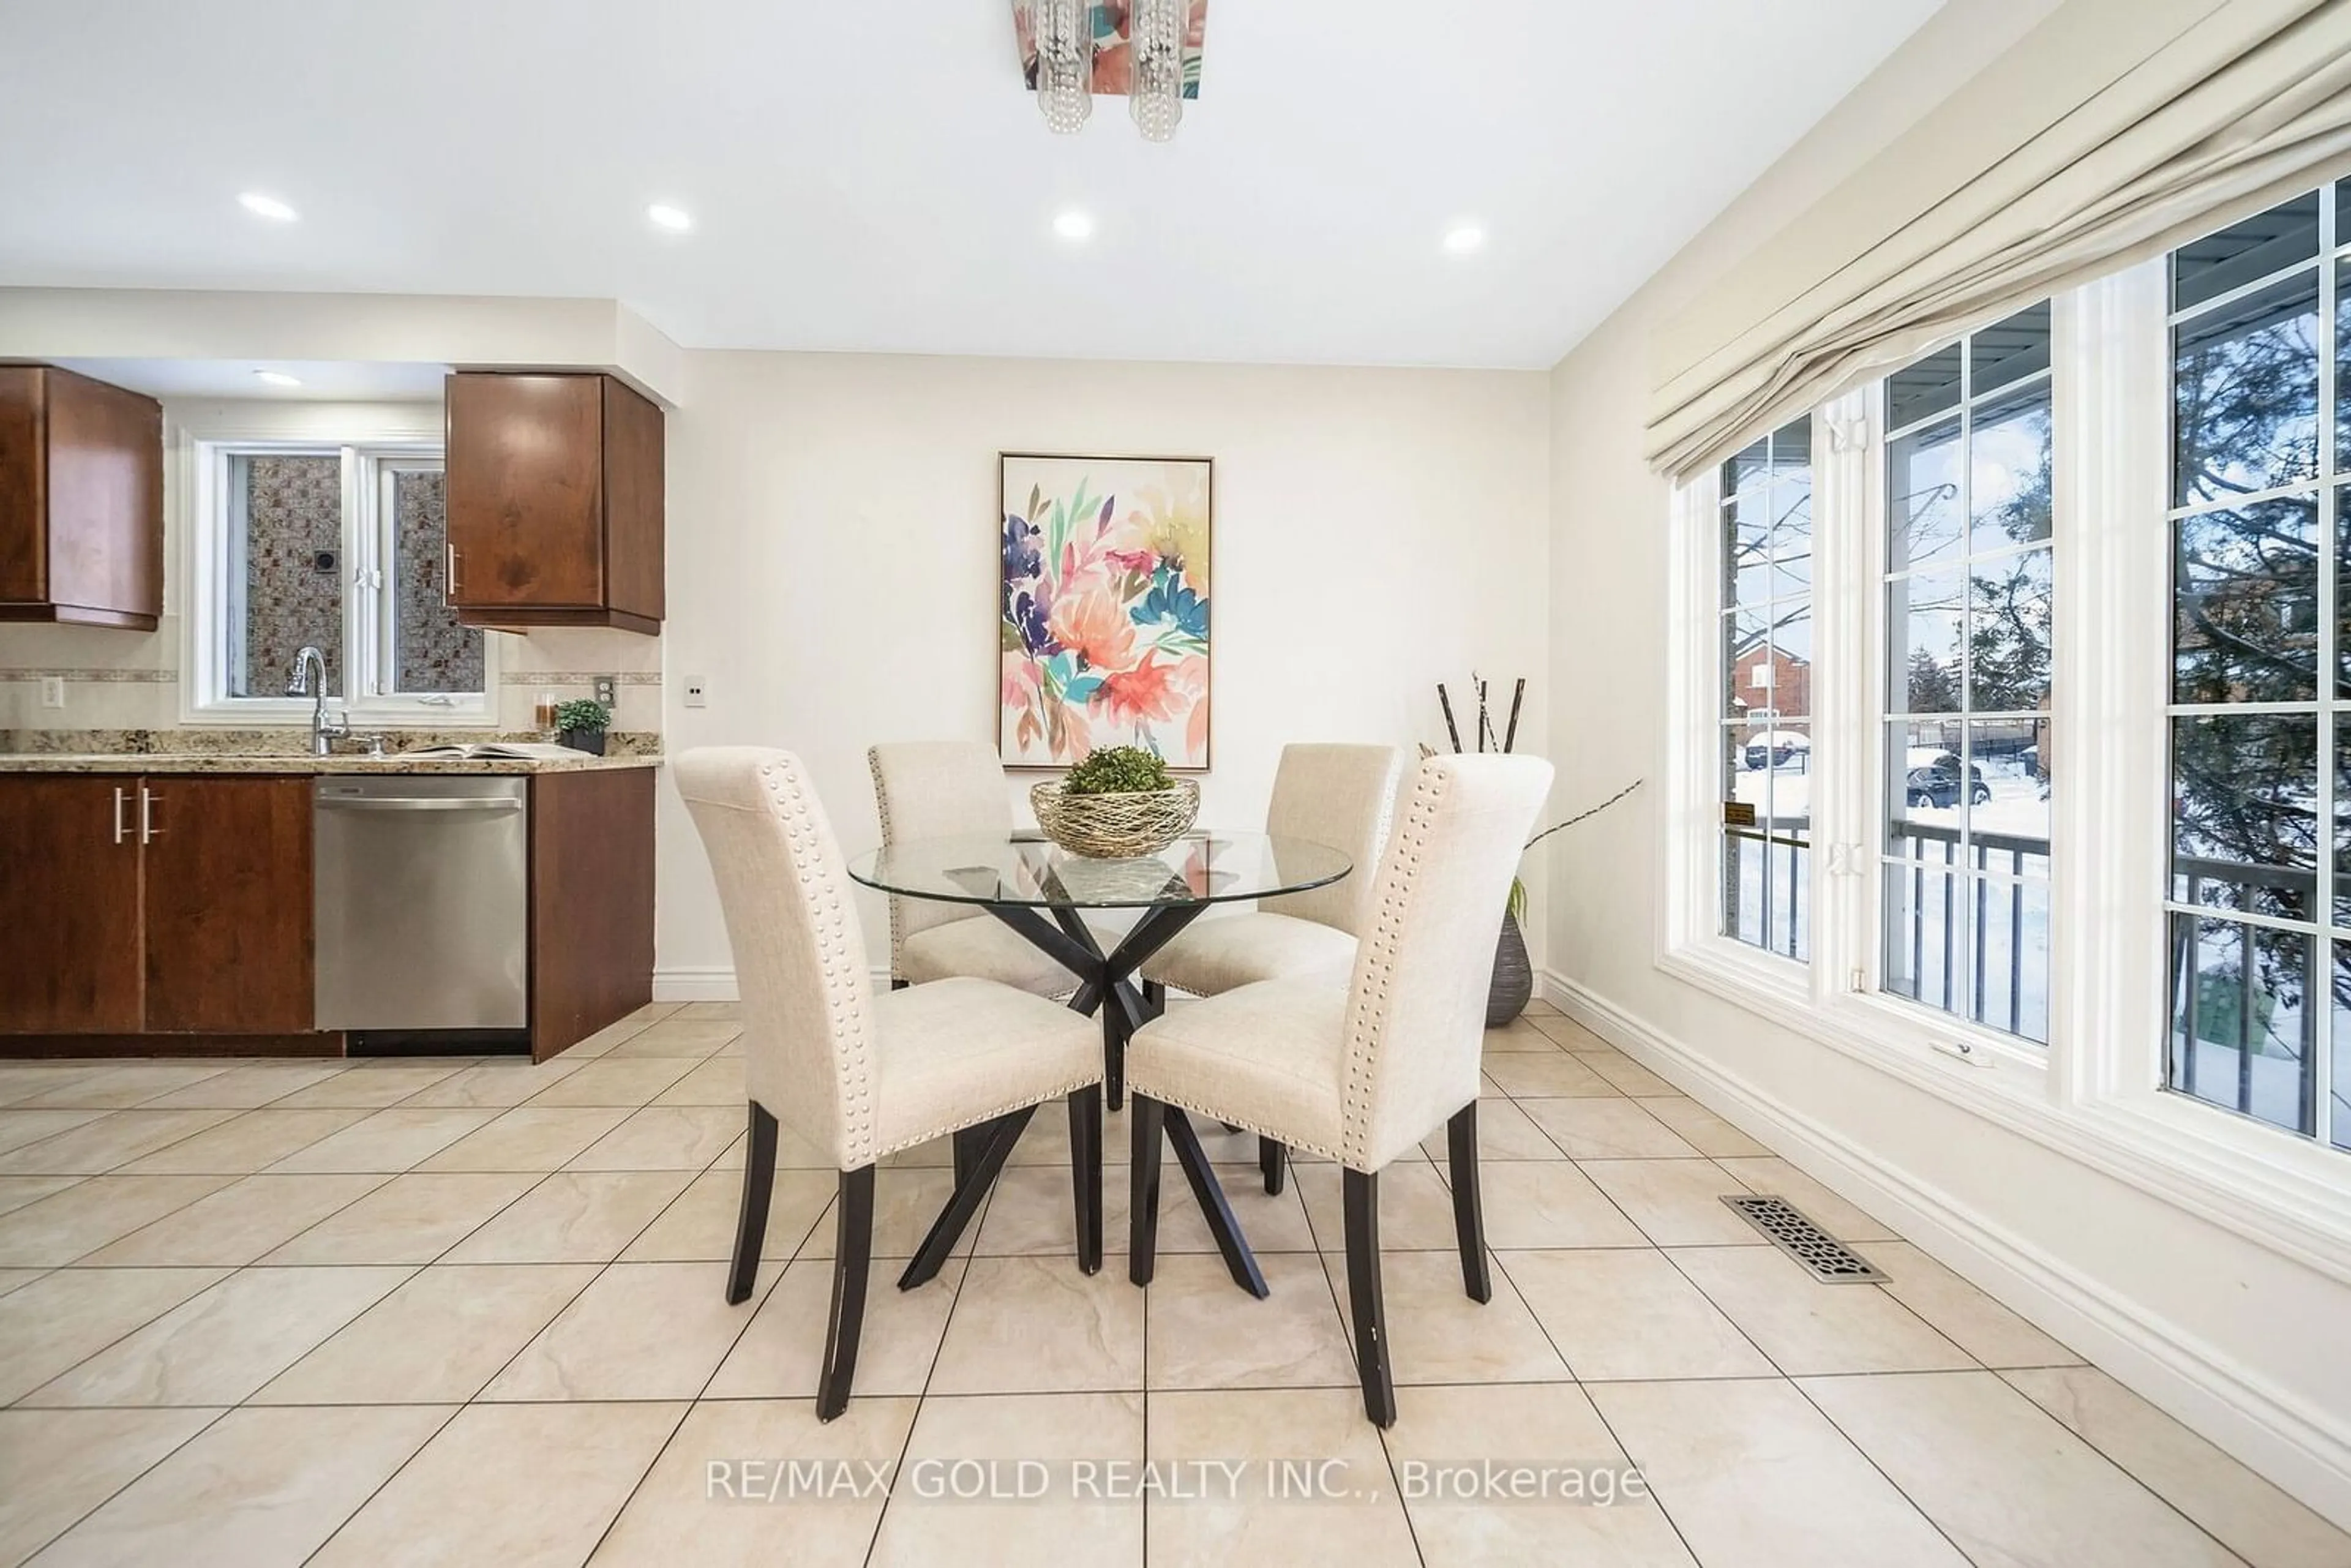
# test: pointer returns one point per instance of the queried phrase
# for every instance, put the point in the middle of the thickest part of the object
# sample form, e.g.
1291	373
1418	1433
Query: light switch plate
53	691
696	694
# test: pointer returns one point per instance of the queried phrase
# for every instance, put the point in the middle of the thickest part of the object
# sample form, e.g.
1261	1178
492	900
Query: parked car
1778	748
1935	780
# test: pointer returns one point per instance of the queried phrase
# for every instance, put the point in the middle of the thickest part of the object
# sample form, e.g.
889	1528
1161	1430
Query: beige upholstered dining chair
1340	797
860	1074
1361	1073
943	789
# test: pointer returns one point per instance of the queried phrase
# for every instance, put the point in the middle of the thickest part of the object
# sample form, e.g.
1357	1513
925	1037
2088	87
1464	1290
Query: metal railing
1790	833
2186	975
1984	854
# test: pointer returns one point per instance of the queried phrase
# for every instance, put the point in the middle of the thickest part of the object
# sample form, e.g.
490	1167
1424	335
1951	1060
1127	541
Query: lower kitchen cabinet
228	943
73	959
169	914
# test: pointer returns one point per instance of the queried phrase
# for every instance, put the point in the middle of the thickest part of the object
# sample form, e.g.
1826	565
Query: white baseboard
2303	1449
695	983
712	983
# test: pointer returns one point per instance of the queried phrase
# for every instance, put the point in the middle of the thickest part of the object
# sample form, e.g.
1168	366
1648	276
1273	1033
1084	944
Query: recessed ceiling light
676	220
1074	225
269	207
1463	239
277	378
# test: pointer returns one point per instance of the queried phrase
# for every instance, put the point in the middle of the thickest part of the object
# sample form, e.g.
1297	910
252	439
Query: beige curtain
2112	132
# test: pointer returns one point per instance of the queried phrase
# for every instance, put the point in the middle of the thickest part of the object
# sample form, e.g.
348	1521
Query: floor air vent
1829	1260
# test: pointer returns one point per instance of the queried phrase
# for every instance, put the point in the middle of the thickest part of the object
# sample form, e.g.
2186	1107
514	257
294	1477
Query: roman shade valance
2113	131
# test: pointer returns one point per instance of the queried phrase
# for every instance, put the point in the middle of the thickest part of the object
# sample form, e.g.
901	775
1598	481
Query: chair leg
1154	998
896	984
1361	1202
853	1259
1215	1207
751	1224
1085	1174
1469	1212
1273	1160
1146	1120
947	1229
968	1141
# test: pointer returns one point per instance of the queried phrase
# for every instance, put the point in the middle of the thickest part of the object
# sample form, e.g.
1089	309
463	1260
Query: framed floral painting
1103	607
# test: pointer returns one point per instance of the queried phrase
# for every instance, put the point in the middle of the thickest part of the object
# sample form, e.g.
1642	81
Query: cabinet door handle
120	832
449	574
147	828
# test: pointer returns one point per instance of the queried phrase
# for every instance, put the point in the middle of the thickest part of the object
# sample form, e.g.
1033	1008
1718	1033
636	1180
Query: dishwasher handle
418	803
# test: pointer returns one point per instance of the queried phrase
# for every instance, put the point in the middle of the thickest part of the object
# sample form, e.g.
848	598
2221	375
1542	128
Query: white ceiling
870	176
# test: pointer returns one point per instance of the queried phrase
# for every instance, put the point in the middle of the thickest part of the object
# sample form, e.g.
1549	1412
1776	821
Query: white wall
832	562
2232	1336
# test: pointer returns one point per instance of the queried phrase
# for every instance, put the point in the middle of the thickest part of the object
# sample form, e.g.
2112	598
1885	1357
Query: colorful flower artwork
1103	607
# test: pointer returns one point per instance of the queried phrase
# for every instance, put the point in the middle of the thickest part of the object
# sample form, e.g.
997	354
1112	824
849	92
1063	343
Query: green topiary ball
1119	770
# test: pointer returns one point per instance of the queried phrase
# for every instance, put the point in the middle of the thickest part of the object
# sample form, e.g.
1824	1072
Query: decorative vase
591	741
1514	976
1115	826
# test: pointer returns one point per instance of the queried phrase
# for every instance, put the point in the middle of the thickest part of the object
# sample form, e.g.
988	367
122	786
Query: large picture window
1766	684
2260	969
1968	553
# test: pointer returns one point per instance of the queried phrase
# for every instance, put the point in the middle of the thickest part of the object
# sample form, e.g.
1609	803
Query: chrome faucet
310	681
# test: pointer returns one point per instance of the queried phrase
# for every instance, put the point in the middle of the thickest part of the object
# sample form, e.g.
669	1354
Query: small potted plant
580	724
1119	801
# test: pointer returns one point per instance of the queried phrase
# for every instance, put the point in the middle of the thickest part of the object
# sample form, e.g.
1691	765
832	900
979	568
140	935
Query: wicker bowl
1115	827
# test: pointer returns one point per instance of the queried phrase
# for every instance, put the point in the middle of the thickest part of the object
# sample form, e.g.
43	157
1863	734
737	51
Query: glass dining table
1044	891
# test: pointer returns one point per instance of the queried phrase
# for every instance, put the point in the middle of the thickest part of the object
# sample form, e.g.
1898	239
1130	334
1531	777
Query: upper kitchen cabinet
81	500
554	501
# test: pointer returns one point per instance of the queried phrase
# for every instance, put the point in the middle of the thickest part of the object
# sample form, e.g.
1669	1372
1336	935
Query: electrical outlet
604	685
53	691
696	692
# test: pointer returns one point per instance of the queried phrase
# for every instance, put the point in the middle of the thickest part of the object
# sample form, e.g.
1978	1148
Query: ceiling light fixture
1064	31
1155	30
676	220
1075	225
277	378
270	207
1463	239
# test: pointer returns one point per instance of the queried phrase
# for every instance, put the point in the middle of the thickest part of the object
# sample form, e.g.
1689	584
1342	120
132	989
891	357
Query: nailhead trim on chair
1225	1115
829	917
990	1114
1367	1009
882	805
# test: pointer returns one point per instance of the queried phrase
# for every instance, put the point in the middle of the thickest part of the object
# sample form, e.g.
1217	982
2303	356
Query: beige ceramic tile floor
470	1311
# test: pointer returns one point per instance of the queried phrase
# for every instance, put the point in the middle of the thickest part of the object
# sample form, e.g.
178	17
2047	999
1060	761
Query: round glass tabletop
1205	866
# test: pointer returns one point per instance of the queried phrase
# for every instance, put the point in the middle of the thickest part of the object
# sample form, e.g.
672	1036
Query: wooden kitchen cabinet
81	500
70	885
227	925
165	904
554	501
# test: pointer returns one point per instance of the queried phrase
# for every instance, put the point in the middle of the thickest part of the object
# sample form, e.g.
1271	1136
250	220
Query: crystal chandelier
1065	62
1155	38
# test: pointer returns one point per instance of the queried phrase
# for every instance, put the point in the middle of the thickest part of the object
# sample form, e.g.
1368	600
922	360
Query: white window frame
372	445
2095	1092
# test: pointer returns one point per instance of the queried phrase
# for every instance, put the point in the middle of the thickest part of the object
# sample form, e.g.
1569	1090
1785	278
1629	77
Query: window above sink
324	525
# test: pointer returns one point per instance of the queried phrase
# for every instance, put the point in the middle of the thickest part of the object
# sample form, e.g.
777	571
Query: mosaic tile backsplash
435	653
293	569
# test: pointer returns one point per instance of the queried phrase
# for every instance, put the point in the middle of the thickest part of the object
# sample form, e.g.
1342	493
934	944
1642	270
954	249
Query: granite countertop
167	762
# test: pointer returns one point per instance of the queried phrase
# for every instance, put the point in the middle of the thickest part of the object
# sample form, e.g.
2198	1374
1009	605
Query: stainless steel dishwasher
423	915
